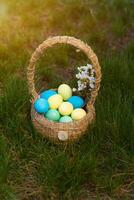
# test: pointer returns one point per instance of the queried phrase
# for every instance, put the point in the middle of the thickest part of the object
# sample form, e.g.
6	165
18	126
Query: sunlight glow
3	11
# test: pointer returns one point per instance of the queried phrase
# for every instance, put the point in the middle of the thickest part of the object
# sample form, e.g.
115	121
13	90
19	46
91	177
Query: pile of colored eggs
60	106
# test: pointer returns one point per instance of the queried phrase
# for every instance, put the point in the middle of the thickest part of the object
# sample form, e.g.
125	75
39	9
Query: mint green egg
53	115
65	119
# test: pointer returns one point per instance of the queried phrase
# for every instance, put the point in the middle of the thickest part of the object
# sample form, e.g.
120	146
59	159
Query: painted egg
48	93
41	105
55	100
53	115
65	108
76	101
65	91
65	119
78	113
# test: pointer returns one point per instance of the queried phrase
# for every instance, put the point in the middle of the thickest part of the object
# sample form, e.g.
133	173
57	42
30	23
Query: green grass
101	164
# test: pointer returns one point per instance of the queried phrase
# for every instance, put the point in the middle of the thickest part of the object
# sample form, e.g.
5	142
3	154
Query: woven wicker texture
63	132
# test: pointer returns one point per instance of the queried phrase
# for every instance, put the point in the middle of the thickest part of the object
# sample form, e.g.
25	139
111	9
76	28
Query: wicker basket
55	131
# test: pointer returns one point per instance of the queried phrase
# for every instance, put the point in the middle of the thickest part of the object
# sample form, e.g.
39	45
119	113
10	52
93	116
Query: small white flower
91	85
83	67
79	82
79	69
80	88
74	89
89	66
85	77
77	76
91	78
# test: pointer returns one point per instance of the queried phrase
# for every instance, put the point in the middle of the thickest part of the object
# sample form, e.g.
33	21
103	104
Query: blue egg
76	101
41	105
48	93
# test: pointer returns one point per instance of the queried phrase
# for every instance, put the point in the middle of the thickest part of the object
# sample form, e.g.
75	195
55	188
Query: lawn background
101	164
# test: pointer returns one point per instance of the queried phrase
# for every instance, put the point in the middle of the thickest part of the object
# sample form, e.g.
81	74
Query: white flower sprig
85	78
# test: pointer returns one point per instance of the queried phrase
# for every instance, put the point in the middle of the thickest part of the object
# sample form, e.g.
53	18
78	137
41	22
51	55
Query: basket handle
66	40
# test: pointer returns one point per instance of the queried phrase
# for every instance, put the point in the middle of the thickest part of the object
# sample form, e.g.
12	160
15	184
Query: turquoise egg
41	105
53	115
76	101
65	119
48	93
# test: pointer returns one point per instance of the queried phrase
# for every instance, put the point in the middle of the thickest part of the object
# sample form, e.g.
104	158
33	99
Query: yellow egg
78	113
55	100
65	91
65	108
